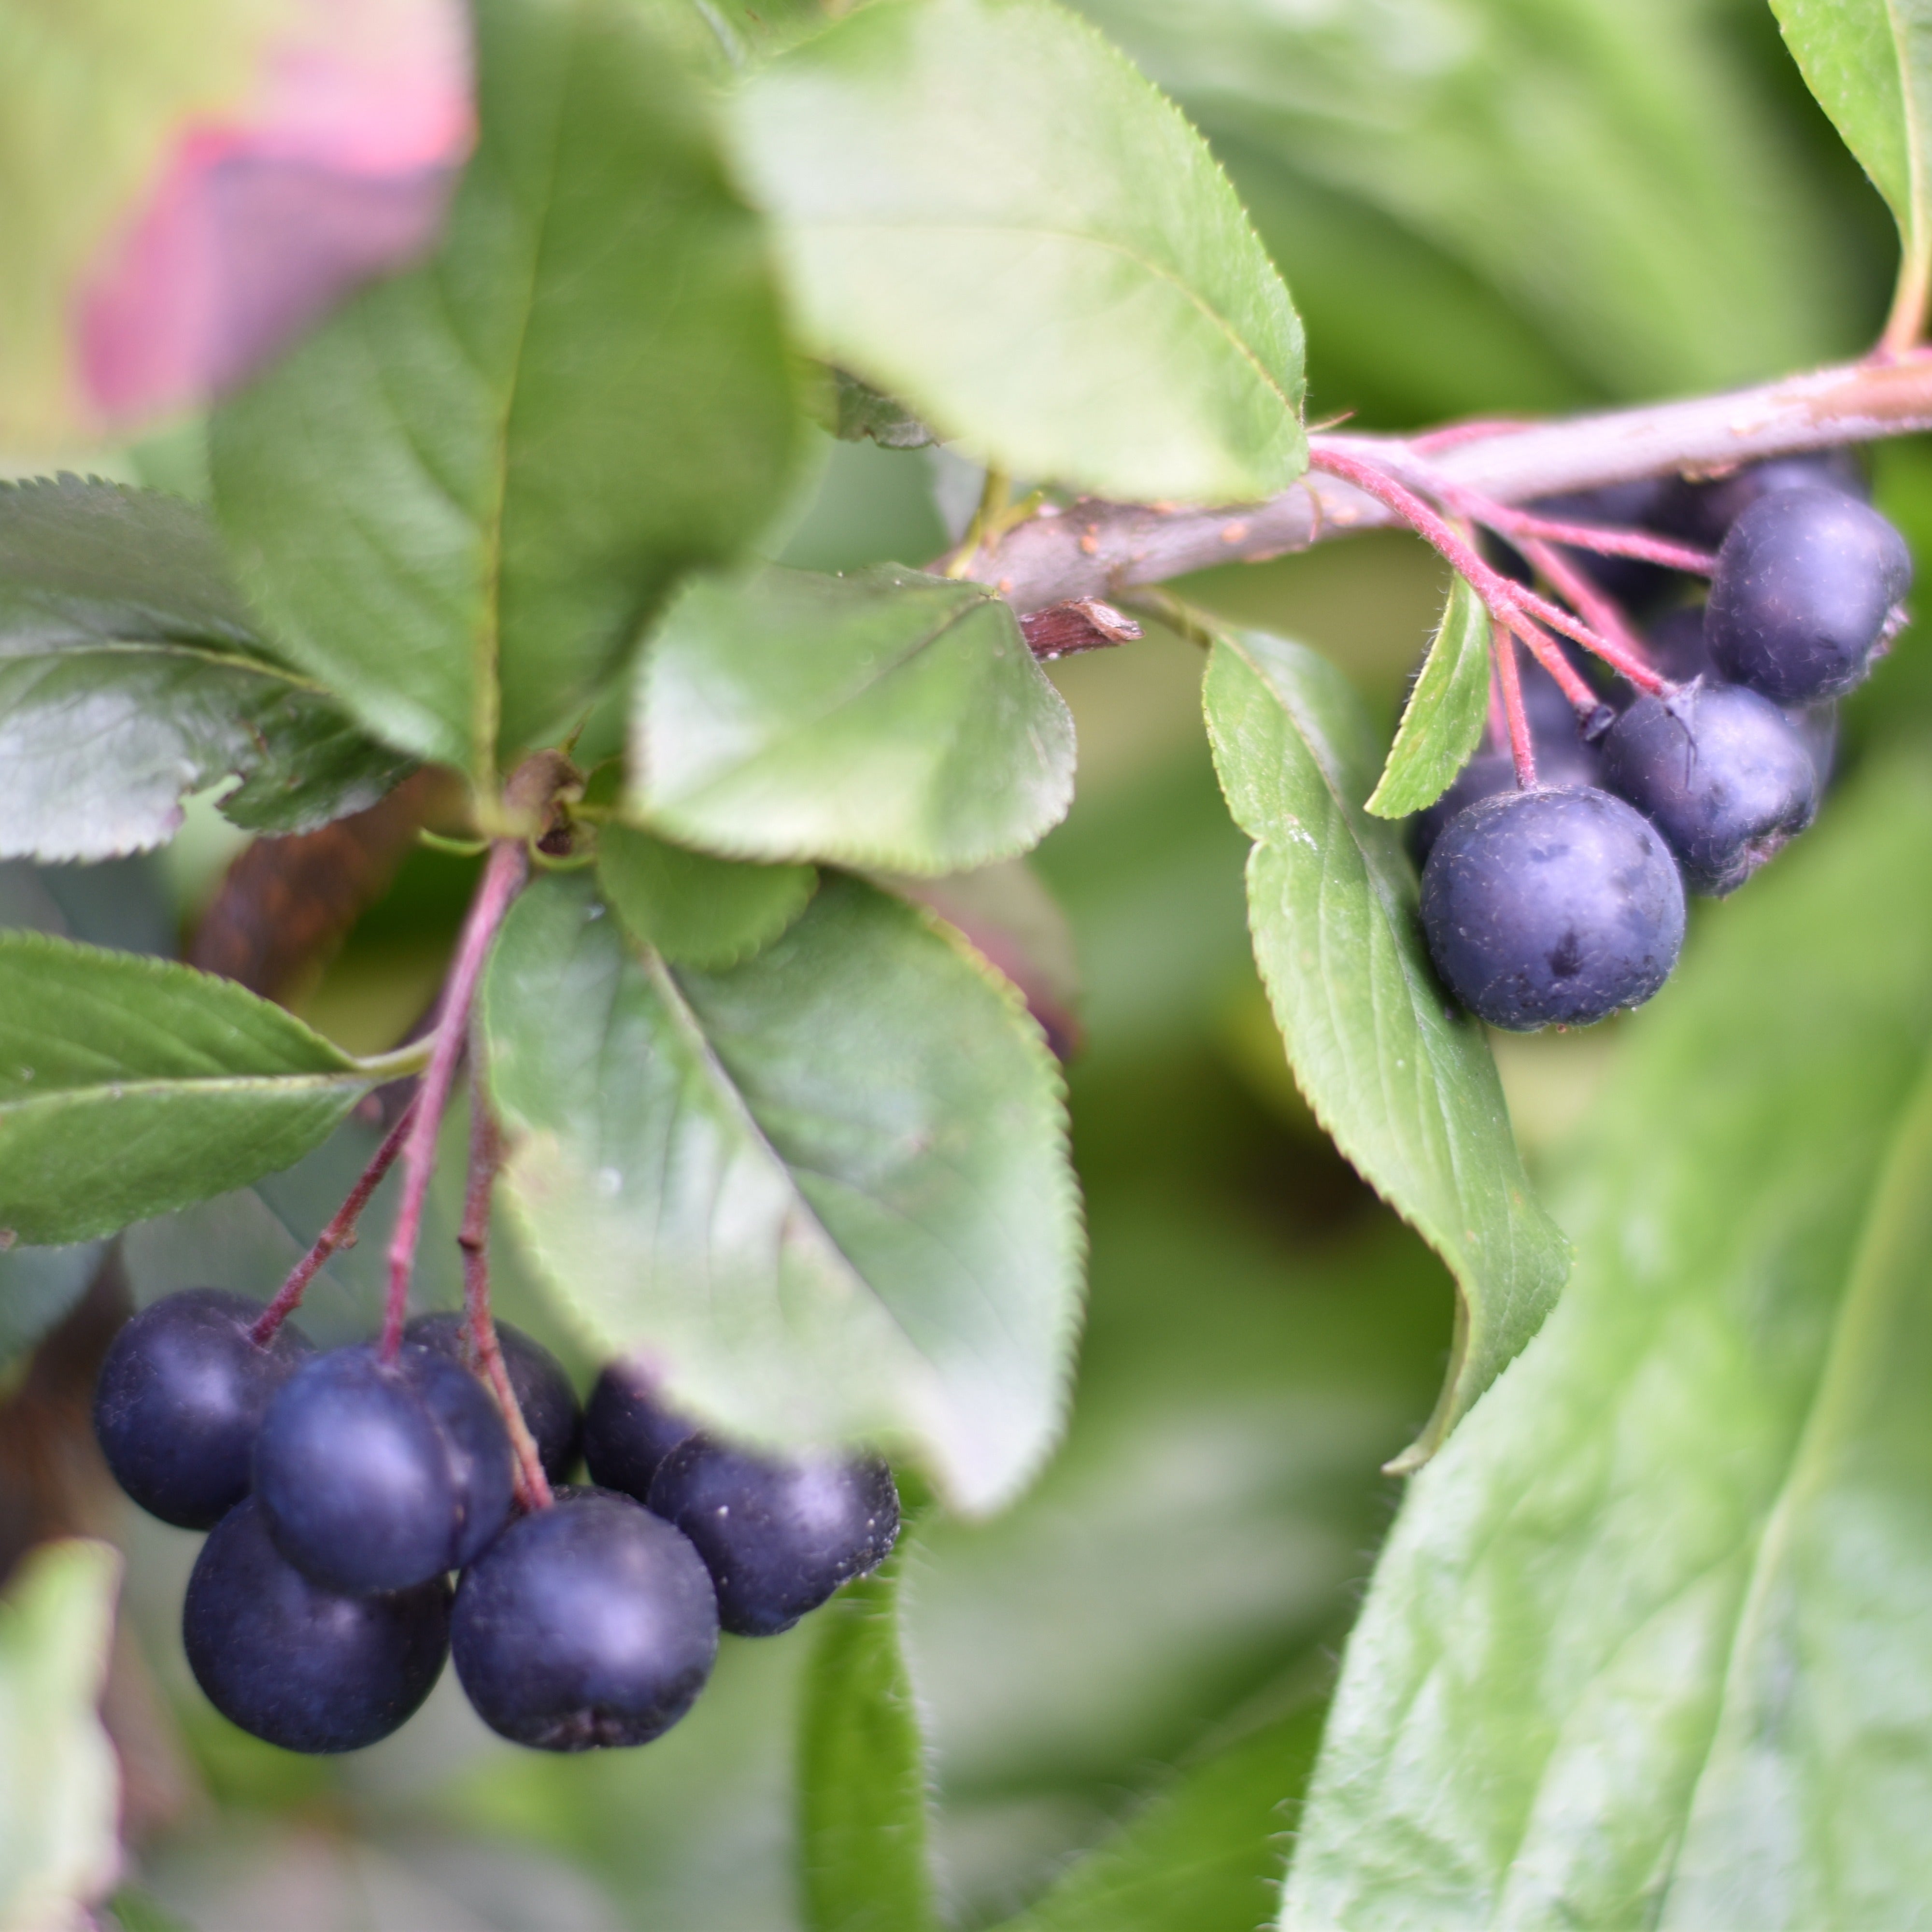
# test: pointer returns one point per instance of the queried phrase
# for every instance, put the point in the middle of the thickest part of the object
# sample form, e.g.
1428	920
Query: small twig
340	1233
486	1156
1616	644
1523	750
1586	702
1606	540
503	877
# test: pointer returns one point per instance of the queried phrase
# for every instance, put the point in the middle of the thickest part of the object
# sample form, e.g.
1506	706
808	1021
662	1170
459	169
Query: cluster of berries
1560	903
340	1490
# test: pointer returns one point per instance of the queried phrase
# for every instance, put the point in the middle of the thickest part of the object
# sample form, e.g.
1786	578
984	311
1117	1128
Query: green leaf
861	413
883	718
862	1783
1443	720
1660	226
826	1191
461	499
130	675
1204	1855
1870	64
694	910
1648	1645
59	1785
1403	1082
984	210
129	1086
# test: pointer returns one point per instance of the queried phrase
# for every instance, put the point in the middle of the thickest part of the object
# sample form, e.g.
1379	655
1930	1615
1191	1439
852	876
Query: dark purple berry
628	1431
1701	513
1805	587
537	1379
298	1665
181	1398
1720	772
1562	760
376	1475
591	1623
779	1535
1678	649
1552	908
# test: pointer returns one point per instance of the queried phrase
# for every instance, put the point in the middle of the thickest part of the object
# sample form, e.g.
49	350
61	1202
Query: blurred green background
1481	206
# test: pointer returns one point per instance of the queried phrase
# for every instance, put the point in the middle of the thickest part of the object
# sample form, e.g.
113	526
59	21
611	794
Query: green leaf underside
1404	1083
129	1086
1442	722
693	909
986	211
884	718
461	498
1649	1645
863	1801
1205	1855
131	676
1870	64
1664	230
59	1787
821	1218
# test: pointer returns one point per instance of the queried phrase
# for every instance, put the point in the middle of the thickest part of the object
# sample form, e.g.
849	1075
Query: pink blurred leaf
338	165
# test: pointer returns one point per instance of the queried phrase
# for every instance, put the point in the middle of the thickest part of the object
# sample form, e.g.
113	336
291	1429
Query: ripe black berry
591	1623
778	1536
628	1431
1701	513
1804	589
297	1664
181	1398
1552	907
1720	772
537	1379
1562	760
375	1476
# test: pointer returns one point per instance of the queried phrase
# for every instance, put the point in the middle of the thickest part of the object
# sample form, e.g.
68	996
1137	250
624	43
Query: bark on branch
1096	549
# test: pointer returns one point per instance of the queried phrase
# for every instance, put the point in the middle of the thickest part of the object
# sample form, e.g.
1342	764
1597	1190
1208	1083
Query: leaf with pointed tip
864	1802
59	1784
694	910
1403	1082
1649	1642
826	1192
984	210
460	498
1870	64
129	1086
130	675
886	718
1443	719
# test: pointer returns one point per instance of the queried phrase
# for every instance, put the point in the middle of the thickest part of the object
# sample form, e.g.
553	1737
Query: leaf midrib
181	1086
141	647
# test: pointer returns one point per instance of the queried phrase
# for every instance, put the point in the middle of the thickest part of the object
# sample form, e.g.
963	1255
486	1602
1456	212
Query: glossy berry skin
1548	908
298	1665
778	1536
628	1431
537	1379
1804	591
589	1624
376	1476
181	1398
1720	772
1701	513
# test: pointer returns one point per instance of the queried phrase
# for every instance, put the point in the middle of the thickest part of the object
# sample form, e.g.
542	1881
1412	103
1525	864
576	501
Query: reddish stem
1584	700
502	879
486	1157
1521	749
1624	653
1477	430
340	1233
1605	540
1498	726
